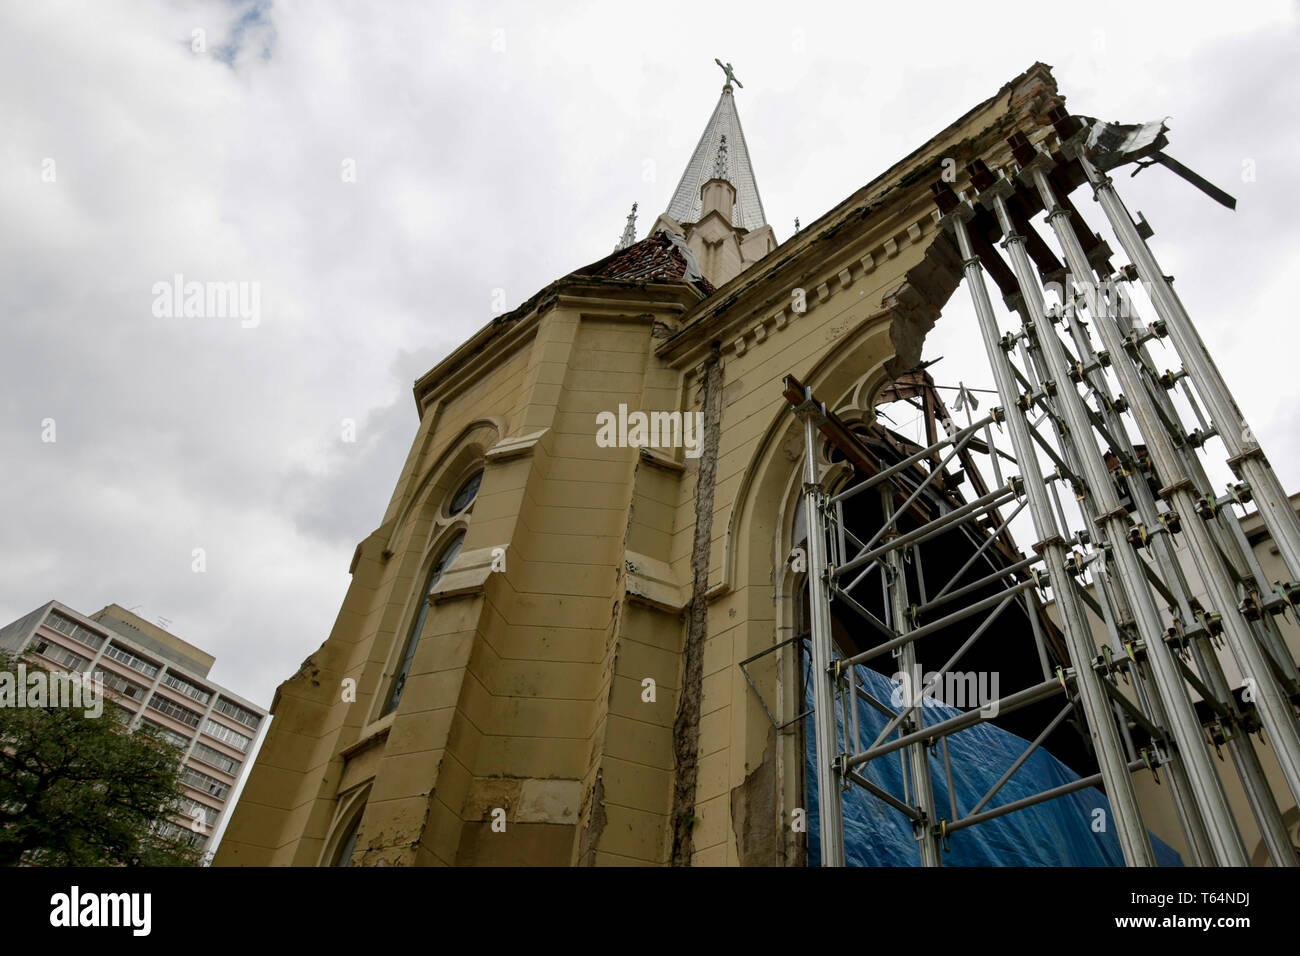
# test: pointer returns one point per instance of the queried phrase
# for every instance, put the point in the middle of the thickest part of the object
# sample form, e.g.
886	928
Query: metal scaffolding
1085	411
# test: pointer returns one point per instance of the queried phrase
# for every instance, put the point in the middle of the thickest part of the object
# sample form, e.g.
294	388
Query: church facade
538	660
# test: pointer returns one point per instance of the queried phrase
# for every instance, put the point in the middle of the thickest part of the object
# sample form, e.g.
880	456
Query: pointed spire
629	231
725	122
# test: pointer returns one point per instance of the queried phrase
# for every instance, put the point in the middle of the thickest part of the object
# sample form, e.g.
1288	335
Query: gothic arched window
465	494
448	554
348	845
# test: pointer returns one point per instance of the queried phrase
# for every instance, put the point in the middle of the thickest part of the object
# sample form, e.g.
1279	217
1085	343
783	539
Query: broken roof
660	257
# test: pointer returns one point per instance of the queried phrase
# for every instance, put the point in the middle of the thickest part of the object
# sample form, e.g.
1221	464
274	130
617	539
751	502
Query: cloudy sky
387	173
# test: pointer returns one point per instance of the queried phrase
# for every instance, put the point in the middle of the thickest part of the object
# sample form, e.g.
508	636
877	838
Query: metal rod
1245	760
1276	711
911	712
1113	524
904	639
984	546
911	813
947	773
1131	831
930	528
1247	457
908	462
828	788
1005	705
911	675
1020	761
1082	783
975	585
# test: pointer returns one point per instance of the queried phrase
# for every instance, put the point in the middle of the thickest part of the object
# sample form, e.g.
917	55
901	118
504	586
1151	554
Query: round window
464	495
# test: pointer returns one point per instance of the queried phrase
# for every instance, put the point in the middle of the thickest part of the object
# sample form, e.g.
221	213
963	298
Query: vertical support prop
1129	826
917	757
824	681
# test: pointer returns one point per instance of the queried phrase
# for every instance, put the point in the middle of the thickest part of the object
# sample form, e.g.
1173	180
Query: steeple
724	123
629	231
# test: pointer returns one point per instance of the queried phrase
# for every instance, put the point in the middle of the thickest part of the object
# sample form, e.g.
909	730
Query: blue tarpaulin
1071	830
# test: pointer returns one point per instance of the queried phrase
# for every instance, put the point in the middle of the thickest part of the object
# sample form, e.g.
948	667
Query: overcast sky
495	147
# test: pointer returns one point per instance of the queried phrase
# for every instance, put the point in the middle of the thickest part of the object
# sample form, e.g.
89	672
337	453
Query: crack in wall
686	728
595	823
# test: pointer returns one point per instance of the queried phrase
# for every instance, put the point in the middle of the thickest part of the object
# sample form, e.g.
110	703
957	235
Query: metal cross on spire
731	74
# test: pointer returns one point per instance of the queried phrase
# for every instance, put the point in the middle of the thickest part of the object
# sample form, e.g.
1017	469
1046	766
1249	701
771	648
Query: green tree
83	791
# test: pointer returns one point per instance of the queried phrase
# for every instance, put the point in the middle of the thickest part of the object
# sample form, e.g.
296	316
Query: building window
66	625
121	685
348	845
241	714
448	555
197	811
201	781
170	736
465	494
186	688
131	661
61	655
170	831
165	705
214	758
226	735
72	628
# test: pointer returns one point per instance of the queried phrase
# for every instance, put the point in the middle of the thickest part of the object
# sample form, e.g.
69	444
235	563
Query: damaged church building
575	641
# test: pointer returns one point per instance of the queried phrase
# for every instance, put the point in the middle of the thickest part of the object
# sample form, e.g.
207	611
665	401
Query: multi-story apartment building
151	677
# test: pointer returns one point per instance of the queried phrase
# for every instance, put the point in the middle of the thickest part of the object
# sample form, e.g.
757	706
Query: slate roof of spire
725	121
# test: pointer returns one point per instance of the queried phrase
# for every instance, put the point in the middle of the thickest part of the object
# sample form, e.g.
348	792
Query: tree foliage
84	791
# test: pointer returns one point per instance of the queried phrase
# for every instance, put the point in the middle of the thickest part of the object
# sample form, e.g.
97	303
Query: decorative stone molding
655	457
467	574
652	582
514	447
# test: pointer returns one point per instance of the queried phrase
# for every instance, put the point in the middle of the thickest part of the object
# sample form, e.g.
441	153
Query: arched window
444	560
348	845
465	494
